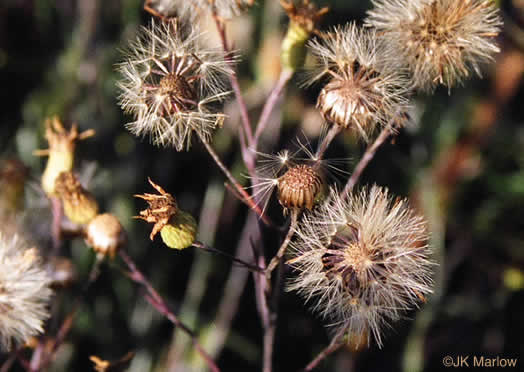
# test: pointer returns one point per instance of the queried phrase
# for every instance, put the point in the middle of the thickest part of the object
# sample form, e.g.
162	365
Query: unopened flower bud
105	235
61	151
79	204
180	232
300	187
303	18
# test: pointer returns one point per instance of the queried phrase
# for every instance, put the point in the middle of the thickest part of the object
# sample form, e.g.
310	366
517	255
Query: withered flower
80	206
61	152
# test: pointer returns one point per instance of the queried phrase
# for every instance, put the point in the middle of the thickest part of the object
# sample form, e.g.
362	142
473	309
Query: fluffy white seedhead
24	291
172	86
441	41
362	262
190	9
364	87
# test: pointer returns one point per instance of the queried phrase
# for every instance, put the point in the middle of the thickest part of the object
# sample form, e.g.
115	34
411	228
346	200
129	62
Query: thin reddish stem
161	306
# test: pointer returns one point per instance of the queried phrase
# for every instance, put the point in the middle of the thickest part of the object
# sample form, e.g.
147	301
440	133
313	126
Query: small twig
282	250
326	141
38	364
154	298
245	197
56	232
333	346
237	260
272	100
366	158
221	28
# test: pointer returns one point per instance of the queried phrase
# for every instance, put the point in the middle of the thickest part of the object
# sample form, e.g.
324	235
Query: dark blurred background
461	163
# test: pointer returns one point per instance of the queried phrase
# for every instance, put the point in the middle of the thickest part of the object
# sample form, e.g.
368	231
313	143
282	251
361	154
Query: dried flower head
80	206
299	177
105	235
364	87
24	291
362	261
190	9
440	40
172	86
161	208
61	151
177	228
304	13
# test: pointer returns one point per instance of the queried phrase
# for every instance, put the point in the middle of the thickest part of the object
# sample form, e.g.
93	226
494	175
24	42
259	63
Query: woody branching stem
333	346
272	100
221	28
247	265
154	298
245	197
282	250
366	158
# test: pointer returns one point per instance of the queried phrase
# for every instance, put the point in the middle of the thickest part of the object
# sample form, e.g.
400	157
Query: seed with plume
441	41
24	291
362	261
172	86
364	87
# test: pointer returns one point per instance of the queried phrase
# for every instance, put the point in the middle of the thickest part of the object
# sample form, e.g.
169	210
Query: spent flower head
172	86
177	228
299	177
364	87
362	261
441	41
190	9
24	291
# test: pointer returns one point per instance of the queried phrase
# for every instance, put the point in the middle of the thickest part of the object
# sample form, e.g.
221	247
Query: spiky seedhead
172	86
441	41
362	261
300	187
24	291
364	87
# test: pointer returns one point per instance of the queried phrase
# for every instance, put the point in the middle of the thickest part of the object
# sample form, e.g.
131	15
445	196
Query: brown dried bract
161	208
304	13
300	187
60	139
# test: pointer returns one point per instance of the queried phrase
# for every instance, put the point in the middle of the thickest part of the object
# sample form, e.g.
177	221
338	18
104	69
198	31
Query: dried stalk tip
120	365
300	187
161	208
61	151
80	206
304	13
105	235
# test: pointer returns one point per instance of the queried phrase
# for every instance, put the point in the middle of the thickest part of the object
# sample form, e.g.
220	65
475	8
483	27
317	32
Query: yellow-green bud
180	231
